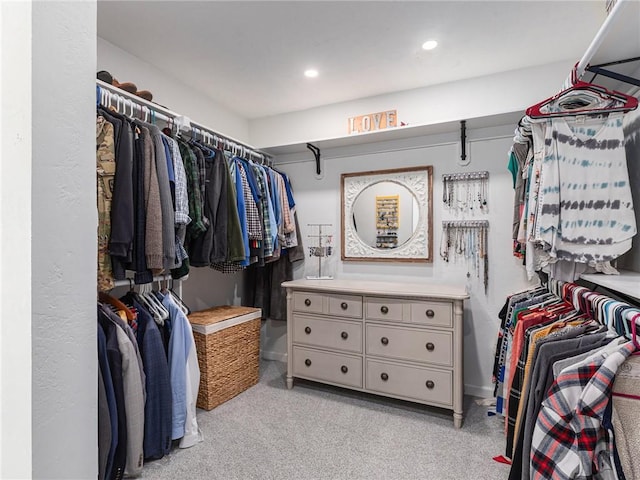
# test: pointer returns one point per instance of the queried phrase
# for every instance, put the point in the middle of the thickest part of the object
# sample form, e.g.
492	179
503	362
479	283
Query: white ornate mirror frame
419	247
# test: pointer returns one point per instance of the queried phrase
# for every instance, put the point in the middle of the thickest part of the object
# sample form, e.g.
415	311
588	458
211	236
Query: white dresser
401	340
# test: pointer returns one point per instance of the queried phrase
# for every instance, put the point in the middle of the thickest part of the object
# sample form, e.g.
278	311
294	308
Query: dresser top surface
395	289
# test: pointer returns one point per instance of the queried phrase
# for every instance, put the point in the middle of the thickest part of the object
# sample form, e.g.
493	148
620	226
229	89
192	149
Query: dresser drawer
410	344
307	302
321	332
438	314
345	305
423	384
328	367
383	309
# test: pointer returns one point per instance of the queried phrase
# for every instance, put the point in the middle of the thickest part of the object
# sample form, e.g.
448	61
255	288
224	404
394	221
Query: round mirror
385	215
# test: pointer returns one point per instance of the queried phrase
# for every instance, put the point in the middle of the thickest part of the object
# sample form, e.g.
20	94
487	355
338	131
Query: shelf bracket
598	70
316	153
463	144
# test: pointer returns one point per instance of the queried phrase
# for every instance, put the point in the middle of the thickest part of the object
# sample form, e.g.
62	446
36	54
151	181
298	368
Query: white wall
15	240
63	248
488	151
170	92
476	97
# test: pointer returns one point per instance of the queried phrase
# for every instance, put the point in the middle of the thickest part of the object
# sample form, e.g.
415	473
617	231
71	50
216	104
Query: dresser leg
457	419
289	383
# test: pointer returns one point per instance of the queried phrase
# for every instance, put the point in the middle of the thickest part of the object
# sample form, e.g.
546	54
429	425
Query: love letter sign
373	121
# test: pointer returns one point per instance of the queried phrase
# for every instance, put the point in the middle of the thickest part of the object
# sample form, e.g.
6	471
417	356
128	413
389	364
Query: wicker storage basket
228	345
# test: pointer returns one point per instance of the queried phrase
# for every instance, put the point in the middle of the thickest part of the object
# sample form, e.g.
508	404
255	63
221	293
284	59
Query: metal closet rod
596	43
182	122
128	282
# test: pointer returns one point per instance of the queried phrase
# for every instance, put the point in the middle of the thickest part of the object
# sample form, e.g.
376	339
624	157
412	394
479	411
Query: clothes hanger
160	308
157	310
176	298
117	304
626	102
634	328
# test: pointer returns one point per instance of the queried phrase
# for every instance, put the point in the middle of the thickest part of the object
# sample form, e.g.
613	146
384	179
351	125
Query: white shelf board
397	133
627	283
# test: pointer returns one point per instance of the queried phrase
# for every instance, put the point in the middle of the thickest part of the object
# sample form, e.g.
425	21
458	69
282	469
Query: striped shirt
585	210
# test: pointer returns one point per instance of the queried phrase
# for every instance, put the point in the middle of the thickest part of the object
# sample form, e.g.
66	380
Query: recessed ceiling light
311	73
429	45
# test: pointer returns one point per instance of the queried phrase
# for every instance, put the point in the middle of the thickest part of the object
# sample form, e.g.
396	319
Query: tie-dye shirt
584	210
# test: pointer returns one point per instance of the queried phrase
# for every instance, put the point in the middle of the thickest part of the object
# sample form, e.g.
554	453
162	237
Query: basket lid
220	314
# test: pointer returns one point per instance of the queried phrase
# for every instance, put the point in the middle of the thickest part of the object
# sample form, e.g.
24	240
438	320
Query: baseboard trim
271	355
478	391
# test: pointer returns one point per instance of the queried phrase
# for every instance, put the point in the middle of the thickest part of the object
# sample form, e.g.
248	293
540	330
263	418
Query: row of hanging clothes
148	380
573	210
168	201
567	381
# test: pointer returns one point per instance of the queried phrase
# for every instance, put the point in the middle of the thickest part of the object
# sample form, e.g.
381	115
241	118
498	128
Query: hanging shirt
266	208
568	440
133	399
107	378
196	227
586	214
185	377
170	170
121	239
182	196
105	169
157	409
253	219
153	210
242	212
139	261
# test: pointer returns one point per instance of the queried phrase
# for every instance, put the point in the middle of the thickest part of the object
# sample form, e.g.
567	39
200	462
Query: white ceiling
249	56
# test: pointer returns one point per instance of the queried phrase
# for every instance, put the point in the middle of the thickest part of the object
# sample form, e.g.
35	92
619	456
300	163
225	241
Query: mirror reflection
385	215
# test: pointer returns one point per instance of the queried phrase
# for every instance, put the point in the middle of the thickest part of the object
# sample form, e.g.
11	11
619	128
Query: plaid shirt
182	196
196	226
266	209
254	224
569	440
201	164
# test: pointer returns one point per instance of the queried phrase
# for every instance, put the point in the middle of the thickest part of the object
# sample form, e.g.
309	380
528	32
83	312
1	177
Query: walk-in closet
319	240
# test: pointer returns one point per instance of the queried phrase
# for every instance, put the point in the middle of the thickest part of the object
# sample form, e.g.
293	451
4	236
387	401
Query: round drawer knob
430	384
384	309
430	346
307	330
430	313
344	369
384	340
344	335
384	377
344	305
307	362
307	302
